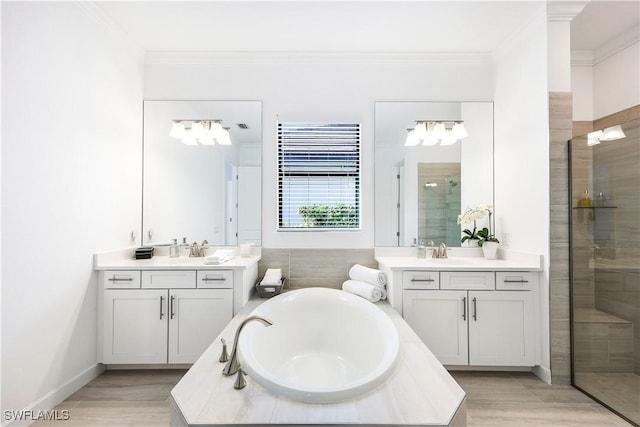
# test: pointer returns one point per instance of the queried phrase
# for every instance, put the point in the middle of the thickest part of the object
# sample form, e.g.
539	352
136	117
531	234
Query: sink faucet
232	364
440	251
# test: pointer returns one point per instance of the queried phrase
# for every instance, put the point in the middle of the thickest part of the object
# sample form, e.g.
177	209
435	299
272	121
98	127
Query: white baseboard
543	373
54	397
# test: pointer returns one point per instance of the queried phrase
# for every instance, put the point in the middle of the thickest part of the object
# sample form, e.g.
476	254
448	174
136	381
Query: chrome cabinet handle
464	308
161	304
475	310
171	309
120	279
516	281
213	279
422	280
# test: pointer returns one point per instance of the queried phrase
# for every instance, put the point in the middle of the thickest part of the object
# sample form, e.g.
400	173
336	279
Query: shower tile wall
438	207
617	277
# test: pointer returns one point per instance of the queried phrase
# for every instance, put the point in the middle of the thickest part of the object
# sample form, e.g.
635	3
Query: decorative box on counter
144	252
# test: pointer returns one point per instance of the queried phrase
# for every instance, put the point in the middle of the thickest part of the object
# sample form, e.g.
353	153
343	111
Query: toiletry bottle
422	250
585	200
600	200
174	249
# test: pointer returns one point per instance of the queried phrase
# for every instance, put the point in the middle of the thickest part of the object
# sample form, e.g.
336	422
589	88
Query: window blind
318	176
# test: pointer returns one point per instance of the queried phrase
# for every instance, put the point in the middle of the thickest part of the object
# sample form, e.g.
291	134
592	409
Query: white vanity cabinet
166	318
482	318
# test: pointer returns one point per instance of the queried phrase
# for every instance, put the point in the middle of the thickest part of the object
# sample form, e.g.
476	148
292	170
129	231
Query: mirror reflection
202	172
422	184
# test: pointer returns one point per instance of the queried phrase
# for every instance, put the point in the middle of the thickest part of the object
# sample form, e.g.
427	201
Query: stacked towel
366	290
272	277
366	282
219	257
368	275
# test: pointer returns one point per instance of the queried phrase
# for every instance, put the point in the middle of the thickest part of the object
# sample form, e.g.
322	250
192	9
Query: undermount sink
325	346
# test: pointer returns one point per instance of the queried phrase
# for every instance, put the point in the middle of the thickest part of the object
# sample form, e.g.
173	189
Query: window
318	176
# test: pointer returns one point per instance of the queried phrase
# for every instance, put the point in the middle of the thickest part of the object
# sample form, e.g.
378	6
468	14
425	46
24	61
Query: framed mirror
203	185
420	189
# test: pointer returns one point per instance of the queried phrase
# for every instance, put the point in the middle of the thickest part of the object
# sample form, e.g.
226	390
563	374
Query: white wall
616	82
522	151
317	87
71	186
607	86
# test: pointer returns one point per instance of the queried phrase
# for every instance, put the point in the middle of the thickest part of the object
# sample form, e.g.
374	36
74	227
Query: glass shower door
605	269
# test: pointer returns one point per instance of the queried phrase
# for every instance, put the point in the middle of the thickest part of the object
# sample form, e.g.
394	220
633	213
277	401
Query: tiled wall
617	291
560	131
305	268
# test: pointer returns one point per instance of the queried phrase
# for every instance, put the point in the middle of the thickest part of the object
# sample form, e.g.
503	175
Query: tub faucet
440	251
232	365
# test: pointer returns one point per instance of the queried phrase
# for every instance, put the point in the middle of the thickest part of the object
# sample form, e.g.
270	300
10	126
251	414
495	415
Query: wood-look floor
495	399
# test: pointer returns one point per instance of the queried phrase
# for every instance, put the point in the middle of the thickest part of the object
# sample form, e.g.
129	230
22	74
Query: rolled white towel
367	291
360	284
272	277
367	274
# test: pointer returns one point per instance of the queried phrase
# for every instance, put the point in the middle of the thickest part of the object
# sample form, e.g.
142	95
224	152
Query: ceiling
320	26
351	25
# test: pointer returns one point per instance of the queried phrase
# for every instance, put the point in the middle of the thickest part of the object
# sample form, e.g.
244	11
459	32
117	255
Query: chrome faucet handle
233	364
240	382
224	356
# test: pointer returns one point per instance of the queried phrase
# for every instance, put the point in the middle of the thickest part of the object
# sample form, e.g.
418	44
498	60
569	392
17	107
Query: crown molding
564	11
617	44
588	58
250	58
581	58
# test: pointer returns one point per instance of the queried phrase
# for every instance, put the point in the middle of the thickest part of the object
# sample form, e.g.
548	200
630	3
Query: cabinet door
501	328
439	319
196	317
135	326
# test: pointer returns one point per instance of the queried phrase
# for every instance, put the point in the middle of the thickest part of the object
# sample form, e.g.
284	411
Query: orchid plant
473	215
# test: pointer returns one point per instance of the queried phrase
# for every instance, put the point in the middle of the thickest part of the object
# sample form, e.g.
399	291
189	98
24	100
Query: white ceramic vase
490	250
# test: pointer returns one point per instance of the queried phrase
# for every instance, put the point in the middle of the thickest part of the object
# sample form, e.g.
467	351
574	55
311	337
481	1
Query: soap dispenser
174	249
585	200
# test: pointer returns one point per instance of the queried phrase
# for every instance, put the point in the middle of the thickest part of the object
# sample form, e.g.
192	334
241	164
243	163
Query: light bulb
215	129
189	139
439	131
612	133
448	139
177	130
197	130
458	131
224	138
411	140
420	130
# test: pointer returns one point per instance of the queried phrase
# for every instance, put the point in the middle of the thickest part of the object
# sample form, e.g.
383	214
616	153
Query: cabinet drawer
515	280
471	280
112	279
420	280
168	279
215	279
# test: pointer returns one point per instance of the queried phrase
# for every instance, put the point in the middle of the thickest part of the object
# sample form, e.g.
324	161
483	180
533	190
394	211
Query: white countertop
460	259
124	260
419	392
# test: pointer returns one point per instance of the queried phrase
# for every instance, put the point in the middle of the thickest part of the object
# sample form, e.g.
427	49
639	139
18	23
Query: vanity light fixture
612	133
205	132
608	134
432	132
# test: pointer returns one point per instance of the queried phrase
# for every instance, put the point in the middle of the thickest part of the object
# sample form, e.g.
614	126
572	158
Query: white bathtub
325	346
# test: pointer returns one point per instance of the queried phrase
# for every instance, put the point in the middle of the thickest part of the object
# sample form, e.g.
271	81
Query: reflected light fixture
204	132
432	132
612	133
608	134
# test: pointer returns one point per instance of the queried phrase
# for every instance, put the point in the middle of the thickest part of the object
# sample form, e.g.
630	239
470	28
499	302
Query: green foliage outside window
339	215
